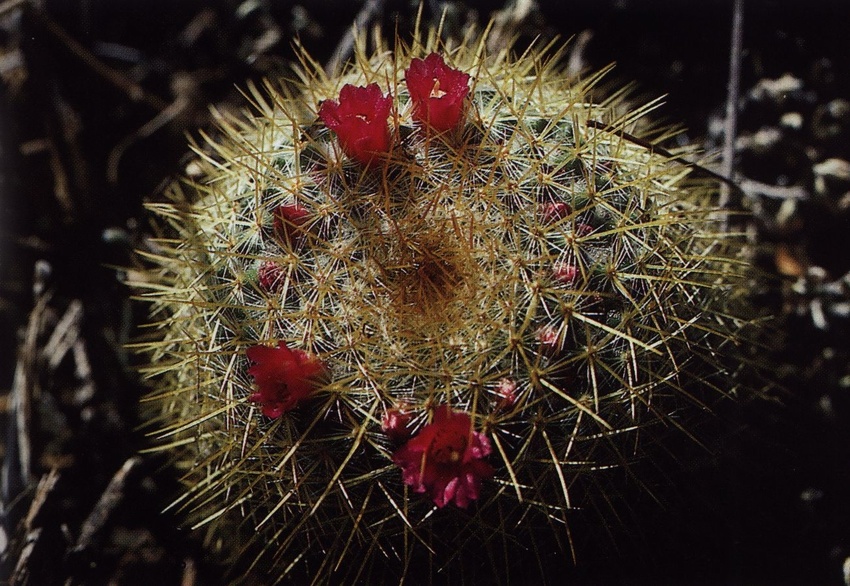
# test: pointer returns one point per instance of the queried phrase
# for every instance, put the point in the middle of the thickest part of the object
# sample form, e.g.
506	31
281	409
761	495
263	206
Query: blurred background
97	100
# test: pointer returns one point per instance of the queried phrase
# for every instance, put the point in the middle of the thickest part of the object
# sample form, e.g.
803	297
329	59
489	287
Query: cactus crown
429	275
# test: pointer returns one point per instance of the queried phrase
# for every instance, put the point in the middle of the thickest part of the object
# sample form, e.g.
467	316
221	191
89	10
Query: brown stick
135	92
105	505
45	486
654	148
17	465
730	125
346	45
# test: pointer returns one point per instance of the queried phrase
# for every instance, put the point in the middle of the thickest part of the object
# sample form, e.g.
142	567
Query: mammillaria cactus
416	310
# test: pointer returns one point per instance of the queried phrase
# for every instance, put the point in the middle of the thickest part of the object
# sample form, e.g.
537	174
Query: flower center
448	448
436	92
428	273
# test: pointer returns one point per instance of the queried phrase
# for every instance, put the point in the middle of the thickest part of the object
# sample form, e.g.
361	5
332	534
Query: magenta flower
359	120
284	377
446	459
438	92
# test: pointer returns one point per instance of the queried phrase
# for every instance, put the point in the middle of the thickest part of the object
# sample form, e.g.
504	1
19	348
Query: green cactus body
565	287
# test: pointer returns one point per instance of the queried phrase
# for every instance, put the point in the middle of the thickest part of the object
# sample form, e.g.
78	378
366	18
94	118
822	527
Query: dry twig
104	507
730	130
22	571
116	78
17	465
371	9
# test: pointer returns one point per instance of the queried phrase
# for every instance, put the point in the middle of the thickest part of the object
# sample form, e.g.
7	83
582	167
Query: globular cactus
417	310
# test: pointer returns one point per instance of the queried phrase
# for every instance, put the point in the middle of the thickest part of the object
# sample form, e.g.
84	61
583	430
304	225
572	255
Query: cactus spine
525	291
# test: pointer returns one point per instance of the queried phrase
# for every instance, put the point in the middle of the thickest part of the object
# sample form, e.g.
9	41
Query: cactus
418	310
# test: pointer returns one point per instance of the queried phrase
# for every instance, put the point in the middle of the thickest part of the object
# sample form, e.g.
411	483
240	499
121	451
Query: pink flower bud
288	223
270	276
547	337
394	423
565	273
583	229
506	393
554	211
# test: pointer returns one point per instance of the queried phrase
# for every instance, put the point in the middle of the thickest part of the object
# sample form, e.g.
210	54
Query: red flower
288	223
438	92
284	377
359	120
446	459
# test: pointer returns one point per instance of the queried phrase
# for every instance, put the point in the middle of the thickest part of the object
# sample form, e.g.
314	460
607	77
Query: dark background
95	102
